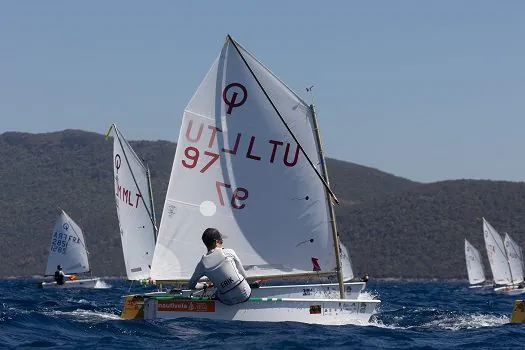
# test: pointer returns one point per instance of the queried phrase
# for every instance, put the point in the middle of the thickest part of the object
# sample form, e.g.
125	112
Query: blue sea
413	315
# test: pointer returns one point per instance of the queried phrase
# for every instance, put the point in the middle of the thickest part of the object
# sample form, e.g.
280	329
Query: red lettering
234	151
250	149
119	192
286	162
192	153
137	201
188	131
214	157
126	195
275	144
213	133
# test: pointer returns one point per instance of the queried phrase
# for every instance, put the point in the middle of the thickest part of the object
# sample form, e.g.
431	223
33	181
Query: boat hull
312	311
510	290
474	286
82	283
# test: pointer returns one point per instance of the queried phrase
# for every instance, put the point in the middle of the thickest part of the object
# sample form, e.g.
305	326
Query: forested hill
393	227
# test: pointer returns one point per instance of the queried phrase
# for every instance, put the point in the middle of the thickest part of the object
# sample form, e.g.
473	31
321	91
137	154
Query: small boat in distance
68	249
475	270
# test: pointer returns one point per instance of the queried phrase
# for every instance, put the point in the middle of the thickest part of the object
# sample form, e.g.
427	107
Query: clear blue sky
428	90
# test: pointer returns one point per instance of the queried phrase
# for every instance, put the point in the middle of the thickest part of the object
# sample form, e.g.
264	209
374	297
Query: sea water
413	315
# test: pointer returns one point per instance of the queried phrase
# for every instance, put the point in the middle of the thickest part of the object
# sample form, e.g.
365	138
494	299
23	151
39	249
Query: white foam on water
85	315
367	295
102	285
472	321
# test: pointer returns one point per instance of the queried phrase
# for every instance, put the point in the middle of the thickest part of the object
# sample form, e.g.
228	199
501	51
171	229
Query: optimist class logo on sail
203	151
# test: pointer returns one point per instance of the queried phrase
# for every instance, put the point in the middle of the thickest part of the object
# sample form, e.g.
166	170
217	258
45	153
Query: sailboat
249	163
475	270
515	260
68	249
136	216
499	263
135	210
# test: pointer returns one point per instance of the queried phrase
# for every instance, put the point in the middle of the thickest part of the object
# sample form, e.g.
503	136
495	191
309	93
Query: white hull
481	286
85	283
312	311
314	303
510	290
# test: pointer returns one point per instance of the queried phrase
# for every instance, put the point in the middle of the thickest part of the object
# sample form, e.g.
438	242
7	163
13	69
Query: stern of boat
518	312
133	308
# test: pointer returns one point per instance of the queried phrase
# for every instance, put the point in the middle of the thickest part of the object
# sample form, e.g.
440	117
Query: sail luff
324	172
327	187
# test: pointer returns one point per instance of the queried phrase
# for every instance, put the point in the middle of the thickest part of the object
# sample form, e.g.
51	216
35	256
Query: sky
427	90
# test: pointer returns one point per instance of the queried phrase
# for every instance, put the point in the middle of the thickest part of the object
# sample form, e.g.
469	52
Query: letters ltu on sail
248	162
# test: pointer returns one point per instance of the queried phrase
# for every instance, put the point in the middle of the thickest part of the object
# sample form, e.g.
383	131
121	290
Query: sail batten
239	169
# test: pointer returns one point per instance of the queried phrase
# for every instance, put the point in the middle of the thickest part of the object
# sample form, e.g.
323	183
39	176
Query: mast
153	217
324	173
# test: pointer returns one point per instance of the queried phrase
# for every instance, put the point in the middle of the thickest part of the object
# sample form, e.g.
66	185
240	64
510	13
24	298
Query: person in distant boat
60	277
223	268
365	278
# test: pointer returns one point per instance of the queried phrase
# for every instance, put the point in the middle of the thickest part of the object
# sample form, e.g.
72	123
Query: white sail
514	258
346	263
67	248
476	273
238	169
134	209
496	254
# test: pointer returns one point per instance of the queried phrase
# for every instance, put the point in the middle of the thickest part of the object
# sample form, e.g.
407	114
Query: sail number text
274	152
61	241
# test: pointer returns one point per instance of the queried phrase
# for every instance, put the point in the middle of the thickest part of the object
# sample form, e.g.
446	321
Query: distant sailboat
515	260
499	263
475	270
496	254
68	249
135	210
